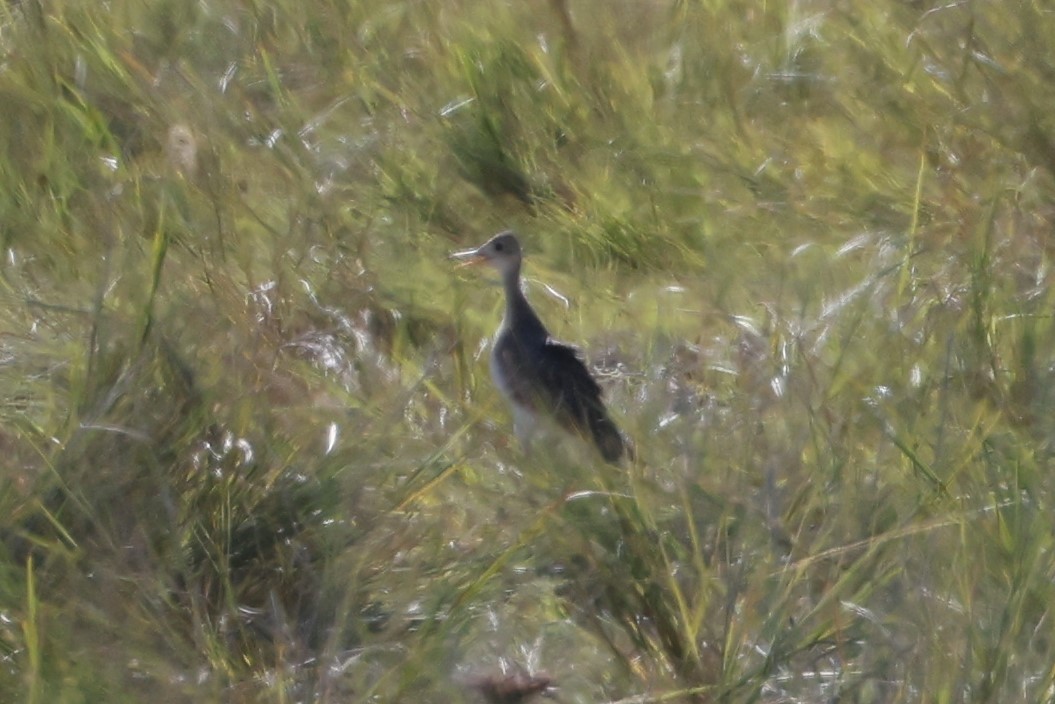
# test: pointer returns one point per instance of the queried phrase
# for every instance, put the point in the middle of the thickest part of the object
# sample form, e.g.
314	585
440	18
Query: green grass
251	450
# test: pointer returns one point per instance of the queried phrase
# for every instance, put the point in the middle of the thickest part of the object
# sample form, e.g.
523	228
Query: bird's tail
606	436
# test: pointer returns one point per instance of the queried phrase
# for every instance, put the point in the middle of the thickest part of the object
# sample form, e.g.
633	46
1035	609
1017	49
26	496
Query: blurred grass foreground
250	449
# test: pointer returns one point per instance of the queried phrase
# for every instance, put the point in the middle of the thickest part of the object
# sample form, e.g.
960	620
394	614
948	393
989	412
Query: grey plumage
537	374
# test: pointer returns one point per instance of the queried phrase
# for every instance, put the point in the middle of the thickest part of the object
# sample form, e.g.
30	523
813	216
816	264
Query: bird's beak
468	257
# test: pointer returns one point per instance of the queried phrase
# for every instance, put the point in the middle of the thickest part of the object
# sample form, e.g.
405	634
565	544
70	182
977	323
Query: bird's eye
498	246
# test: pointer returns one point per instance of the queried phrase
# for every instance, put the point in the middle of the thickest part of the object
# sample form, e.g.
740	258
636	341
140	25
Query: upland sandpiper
537	375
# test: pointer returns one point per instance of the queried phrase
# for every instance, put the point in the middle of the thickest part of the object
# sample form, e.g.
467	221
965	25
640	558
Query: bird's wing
562	372
571	392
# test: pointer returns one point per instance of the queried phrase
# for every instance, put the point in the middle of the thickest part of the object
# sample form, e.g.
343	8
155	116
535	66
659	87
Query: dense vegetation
251	452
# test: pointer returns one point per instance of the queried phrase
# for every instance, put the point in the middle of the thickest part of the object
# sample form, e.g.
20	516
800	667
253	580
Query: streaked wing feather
576	398
566	381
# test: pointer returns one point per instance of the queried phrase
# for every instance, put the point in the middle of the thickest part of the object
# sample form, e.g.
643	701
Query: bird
539	376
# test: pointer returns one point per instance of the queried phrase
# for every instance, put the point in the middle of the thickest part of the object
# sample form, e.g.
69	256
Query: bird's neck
519	316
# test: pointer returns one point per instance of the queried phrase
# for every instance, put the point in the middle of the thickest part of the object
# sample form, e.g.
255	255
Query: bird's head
501	252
